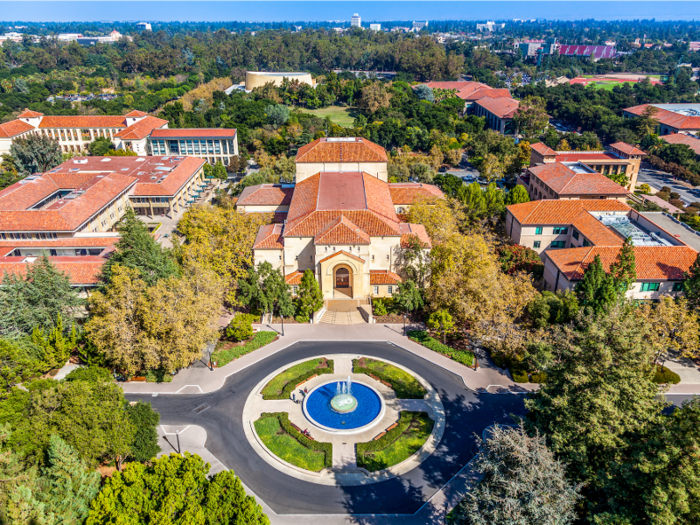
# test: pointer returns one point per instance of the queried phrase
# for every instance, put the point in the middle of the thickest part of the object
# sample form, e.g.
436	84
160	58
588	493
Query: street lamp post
177	435
404	323
282	324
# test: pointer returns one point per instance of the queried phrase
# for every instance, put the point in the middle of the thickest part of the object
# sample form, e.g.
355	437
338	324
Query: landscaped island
404	384
282	385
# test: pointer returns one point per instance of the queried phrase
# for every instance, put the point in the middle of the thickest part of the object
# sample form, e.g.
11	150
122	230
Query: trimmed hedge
665	376
409	388
260	339
272	391
317	446
289	387
391	436
461	356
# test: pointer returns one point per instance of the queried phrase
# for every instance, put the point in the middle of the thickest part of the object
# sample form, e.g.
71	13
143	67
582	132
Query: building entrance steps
344	311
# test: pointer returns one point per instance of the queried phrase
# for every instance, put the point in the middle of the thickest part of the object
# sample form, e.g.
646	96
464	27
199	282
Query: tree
309	296
515	258
36	300
553	308
35	154
473	198
121	153
517	195
675	326
144	445
171	490
424	92
100	147
493	200
373	97
597	290
441	321
438	217
414	261
264	289
691	284
56	346
137	249
220	171
15	366
277	114
163	327
599	391
646	123
624	269
240	327
531	116
67	485
408	297
521	482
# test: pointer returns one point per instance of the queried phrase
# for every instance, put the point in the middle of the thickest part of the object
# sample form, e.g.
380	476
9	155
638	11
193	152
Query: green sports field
339	116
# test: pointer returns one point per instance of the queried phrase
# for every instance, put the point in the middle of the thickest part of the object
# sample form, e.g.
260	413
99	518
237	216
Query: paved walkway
195	380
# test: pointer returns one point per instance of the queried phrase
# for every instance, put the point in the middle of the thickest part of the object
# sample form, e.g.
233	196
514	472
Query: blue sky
270	11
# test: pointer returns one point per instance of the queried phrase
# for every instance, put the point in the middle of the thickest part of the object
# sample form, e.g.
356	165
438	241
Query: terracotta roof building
342	225
340	154
672	118
471	92
498	113
692	141
568	234
83	272
571	181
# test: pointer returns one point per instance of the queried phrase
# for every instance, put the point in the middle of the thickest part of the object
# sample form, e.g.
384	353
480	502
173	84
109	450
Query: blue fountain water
318	407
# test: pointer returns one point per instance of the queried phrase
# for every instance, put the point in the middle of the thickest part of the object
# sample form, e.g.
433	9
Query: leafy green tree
264	289
174	490
15	366
624	269
473	198
408	297
35	154
90	373
691	285
553	308
137	249
441	321
277	114
515	258
67	485
424	92
415	261
309	296
597	290
493	199
599	392
517	195
100	147
220	171
37	299
240	327
144	445
521	482
57	347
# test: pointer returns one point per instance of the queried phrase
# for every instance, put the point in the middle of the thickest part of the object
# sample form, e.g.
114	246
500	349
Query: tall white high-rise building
356	21
375	27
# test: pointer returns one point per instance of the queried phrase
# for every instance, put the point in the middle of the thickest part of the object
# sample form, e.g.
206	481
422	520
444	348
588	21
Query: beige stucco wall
274	257
263	209
254	79
308	169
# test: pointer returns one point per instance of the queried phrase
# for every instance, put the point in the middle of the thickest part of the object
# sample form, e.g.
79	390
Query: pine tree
597	291
624	269
139	250
35	153
517	195
310	298
68	486
145	420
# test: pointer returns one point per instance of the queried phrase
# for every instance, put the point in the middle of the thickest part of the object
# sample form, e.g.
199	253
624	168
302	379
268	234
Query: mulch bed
398	319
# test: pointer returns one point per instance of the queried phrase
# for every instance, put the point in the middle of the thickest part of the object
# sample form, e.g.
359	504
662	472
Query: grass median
223	356
404	384
461	356
282	385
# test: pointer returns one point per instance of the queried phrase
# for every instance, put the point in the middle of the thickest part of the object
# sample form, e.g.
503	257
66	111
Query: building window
561	231
558	244
537	244
280	257
372	257
387	257
375	290
538	230
295	289
574	234
586	243
650	287
677	287
390	290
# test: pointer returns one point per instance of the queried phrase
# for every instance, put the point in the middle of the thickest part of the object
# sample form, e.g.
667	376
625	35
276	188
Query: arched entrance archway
342	281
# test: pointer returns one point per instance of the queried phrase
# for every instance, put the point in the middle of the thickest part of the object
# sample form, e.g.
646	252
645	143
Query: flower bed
404	384
289	444
227	352
461	356
282	385
396	445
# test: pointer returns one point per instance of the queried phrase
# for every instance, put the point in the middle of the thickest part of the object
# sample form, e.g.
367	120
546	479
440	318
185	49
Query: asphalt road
467	415
658	179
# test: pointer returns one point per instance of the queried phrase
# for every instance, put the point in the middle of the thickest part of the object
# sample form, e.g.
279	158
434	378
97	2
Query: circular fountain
343	406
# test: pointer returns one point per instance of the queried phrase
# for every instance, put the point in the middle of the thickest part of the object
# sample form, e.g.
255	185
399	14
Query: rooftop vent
80	161
140	159
106	159
341	139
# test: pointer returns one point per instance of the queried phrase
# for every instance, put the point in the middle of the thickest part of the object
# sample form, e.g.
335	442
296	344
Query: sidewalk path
201	380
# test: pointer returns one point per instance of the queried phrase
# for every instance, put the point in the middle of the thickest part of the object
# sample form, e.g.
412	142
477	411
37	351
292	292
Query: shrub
96	374
461	356
520	376
326	448
538	377
516	258
404	384
379	307
240	327
260	339
289	387
665	376
158	376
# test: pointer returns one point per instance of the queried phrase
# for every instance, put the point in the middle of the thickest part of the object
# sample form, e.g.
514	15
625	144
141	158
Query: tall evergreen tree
597	290
691	285
35	154
145	443
517	195
310	298
624	269
68	486
139	250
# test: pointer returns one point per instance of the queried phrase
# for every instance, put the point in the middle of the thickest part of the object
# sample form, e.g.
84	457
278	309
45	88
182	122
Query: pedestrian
294	397
306	390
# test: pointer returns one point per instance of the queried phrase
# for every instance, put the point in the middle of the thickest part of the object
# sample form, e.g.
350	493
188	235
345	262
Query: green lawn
404	384
223	357
338	115
287	447
461	356
281	386
398	444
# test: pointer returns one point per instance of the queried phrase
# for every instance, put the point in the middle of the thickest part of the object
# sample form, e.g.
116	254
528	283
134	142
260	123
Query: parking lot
657	179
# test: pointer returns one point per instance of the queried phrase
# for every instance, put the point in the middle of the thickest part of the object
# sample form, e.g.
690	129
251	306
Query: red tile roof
566	181
543	149
501	107
627	149
408	192
359	259
82	271
183	133
269	237
383	277
669	118
341	231
14	128
586	157
652	262
265	195
293	278
84	121
28	113
136	113
471	90
66	242
141	128
692	141
351	149
414	230
488	92
561	212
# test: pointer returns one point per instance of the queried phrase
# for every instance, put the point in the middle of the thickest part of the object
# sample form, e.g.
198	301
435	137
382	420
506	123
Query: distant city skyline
295	11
